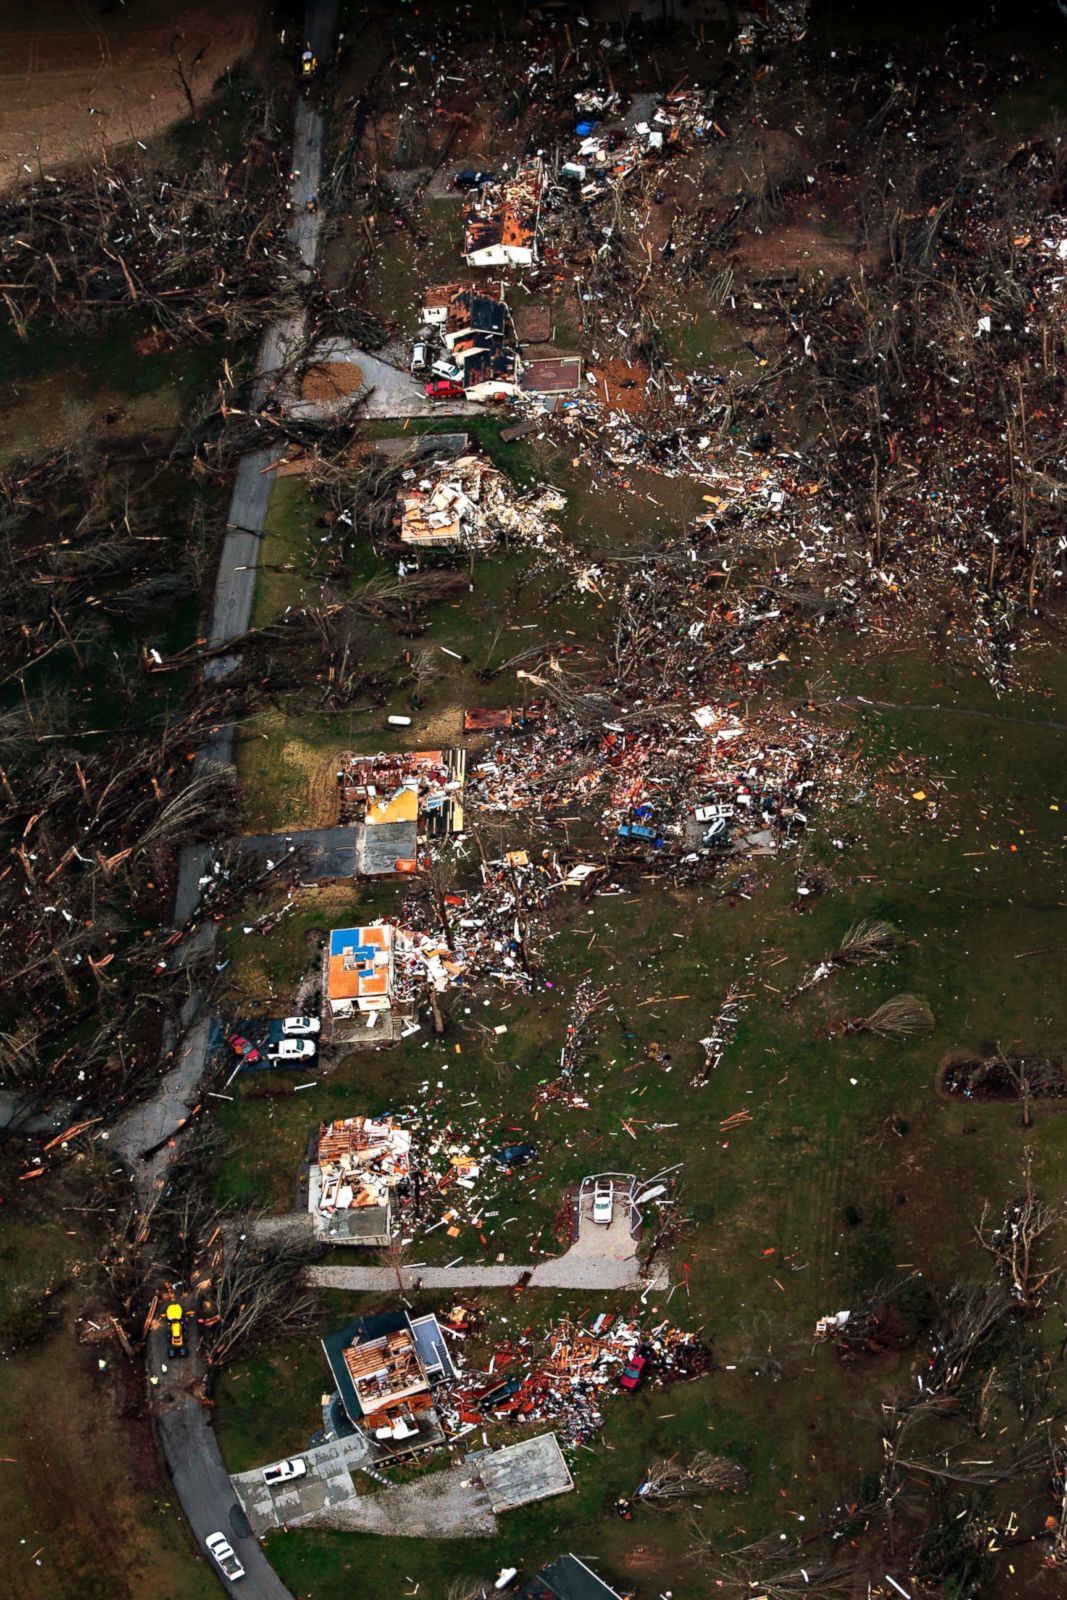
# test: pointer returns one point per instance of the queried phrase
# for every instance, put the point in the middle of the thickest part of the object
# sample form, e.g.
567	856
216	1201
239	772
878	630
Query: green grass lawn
287	755
281	578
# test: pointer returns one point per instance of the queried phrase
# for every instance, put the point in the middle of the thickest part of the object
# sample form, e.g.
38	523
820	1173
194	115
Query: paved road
197	1469
146	1125
17	1115
236	581
234	590
189	1444
282	342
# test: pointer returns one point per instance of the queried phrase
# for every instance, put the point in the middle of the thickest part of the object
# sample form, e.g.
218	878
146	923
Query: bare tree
259	1289
1014	1243
184	75
1020	1071
669	1481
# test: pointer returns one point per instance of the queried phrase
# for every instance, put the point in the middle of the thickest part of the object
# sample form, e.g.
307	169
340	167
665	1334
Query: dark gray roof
324	852
566	1579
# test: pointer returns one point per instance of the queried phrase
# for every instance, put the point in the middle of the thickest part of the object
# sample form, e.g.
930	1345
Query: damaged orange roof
360	963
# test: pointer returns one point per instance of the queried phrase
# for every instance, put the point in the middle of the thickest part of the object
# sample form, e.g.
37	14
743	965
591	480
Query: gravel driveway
450	1504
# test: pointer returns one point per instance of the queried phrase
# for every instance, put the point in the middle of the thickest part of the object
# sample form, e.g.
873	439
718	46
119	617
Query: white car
300	1025
712	812
285	1471
291	1050
603	1201
222	1551
420	357
447	369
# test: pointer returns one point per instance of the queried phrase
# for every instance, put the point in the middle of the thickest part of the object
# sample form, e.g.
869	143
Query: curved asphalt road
189	1445
197	1469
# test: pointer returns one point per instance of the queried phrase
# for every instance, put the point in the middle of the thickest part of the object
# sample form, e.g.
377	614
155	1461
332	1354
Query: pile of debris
500	222
699	782
468	504
408	794
561	1376
608	154
358	1164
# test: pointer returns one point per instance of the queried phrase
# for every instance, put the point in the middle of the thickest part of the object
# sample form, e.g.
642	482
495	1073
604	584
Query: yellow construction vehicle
309	63
176	1330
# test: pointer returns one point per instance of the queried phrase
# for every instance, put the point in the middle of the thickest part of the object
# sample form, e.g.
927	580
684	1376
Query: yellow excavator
309	63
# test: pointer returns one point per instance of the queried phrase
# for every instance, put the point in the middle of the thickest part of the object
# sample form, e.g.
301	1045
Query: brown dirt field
625	384
796	247
332	380
75	81
319	809
443	727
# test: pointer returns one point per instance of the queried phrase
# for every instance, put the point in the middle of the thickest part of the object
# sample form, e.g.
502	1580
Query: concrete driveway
451	1504
388	391
600	1258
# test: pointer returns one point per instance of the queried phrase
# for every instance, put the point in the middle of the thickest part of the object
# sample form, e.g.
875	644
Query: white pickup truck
222	1551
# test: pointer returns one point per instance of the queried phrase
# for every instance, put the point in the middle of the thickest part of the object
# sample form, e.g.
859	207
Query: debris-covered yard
657	623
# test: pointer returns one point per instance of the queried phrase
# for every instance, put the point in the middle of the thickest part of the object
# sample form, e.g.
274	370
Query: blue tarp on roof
342	939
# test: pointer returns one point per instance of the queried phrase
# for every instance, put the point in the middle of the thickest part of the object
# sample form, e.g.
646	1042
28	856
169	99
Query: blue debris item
637	830
515	1155
584	129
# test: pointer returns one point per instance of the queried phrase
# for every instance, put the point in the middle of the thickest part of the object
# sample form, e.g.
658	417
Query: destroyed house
358	973
504	237
436	300
491	374
441	510
477	316
397	797
356	1165
385	1368
500	228
452	505
567	1578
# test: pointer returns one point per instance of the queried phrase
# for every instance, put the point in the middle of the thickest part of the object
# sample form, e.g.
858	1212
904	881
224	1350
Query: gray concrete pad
449	1504
388	391
533	1469
327	1483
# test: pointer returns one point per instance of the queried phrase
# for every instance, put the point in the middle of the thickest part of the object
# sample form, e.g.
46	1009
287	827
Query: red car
243	1047
444	389
633	1372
